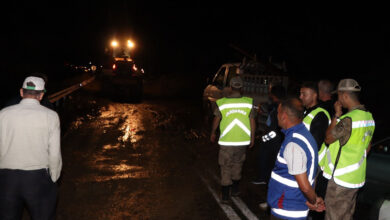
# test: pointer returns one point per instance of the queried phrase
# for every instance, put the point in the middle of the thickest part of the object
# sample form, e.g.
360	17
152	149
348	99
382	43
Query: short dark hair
310	85
353	95
32	92
293	107
325	86
279	91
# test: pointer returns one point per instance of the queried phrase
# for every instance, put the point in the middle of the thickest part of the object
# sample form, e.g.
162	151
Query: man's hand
338	109
319	205
252	144
212	137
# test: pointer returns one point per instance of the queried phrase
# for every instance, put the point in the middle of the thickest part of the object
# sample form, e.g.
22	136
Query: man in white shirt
30	155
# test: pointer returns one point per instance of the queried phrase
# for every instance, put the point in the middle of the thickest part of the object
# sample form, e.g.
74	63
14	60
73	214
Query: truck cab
257	81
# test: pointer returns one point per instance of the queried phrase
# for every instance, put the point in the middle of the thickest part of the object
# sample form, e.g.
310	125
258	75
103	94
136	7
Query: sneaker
258	182
263	206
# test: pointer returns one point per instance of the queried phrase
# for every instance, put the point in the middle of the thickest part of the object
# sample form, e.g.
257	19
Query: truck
258	77
125	80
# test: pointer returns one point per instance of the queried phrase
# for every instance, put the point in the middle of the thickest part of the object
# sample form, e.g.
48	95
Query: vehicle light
135	68
130	44
113	66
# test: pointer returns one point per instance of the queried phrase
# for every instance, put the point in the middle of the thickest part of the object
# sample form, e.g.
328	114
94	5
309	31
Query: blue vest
284	196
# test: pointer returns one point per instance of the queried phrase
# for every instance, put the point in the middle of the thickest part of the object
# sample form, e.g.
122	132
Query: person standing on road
348	137
272	139
30	155
236	119
316	119
290	190
325	89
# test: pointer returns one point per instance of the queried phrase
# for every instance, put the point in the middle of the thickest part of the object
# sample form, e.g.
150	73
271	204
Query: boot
235	188
225	194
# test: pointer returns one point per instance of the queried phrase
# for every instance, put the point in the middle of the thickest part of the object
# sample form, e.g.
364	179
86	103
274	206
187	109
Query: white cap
34	83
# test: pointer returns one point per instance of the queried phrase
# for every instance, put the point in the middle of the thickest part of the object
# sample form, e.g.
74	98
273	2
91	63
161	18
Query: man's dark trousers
34	188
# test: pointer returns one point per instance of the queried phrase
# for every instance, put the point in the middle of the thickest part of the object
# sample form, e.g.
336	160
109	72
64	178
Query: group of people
312	154
30	154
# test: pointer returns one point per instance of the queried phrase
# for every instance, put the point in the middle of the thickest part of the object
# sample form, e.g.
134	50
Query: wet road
128	162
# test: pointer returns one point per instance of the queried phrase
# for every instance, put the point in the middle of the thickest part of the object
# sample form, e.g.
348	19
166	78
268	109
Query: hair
278	91
293	108
352	95
325	86
310	85
32	93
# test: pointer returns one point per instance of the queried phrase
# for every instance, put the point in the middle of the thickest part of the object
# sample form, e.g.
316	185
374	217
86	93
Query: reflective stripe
350	168
294	214
362	124
348	185
268	136
330	164
281	159
231	125
227	143
235	105
272	134
284	181
307	125
327	176
322	155
310	115
311	172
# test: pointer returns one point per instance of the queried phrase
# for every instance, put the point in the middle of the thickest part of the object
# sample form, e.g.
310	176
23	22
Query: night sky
179	39
325	41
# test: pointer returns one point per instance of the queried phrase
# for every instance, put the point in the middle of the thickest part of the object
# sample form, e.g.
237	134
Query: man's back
29	132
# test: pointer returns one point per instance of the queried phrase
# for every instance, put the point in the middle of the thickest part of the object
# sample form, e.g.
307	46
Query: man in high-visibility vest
236	119
316	119
290	189
348	138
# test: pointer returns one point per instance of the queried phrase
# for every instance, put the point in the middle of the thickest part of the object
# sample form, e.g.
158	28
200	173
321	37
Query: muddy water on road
129	161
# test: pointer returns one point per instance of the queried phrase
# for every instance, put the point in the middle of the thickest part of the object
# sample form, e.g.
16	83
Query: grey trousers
340	202
231	159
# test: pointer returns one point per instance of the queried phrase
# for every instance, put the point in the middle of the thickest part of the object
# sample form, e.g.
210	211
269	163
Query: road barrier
63	93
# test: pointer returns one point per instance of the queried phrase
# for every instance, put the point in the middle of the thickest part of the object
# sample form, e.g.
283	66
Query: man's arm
55	158
296	162
214	128
338	111
253	130
305	187
318	128
313	201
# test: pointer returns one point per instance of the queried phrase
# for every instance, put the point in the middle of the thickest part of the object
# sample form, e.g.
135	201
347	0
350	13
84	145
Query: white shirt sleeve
296	158
55	158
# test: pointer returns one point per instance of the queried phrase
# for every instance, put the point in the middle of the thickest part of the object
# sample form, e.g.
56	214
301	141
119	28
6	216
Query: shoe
235	190
225	194
263	206
259	182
